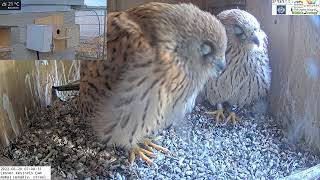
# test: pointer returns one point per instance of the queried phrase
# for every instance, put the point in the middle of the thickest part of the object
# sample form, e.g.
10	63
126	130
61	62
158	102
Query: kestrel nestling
248	75
159	58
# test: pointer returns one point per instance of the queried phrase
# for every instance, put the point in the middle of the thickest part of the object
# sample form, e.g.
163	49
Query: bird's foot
143	153
219	115
233	117
147	152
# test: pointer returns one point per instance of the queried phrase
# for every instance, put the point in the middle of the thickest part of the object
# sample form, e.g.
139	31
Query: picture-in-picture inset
53	30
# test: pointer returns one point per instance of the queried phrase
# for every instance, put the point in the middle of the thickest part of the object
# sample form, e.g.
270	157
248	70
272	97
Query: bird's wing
265	43
125	42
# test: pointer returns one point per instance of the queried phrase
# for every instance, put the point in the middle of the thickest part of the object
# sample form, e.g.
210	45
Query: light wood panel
294	52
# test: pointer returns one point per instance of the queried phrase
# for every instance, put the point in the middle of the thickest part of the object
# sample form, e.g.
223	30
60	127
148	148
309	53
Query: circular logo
281	10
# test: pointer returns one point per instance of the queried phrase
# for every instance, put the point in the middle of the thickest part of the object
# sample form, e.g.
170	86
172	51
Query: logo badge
281	9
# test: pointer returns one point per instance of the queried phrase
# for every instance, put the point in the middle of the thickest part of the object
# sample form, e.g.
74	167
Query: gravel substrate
253	149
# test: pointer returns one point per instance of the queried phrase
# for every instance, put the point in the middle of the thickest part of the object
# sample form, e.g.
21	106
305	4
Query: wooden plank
59	45
59	32
225	3
59	38
217	10
5	161
65	36
74	33
112	5
5	49
5	34
53	19
120	5
216	6
202	4
5	55
311	173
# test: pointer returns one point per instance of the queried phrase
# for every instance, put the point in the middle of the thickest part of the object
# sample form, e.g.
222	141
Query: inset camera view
59	30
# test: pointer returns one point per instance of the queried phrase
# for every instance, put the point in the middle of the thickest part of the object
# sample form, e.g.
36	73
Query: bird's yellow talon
219	115
150	144
132	157
142	153
146	152
148	148
233	117
145	158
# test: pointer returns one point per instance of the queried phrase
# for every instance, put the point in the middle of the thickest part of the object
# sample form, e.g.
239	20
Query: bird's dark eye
206	49
238	30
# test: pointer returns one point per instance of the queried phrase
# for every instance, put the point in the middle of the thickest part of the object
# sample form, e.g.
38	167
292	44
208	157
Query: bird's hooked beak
221	64
255	39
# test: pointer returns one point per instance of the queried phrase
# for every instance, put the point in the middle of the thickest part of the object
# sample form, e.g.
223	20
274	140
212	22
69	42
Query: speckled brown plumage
247	76
159	58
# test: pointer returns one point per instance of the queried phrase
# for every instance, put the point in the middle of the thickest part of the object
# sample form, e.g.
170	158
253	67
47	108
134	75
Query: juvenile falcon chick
159	58
247	76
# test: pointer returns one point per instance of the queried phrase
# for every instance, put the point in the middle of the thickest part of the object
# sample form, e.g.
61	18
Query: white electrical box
39	37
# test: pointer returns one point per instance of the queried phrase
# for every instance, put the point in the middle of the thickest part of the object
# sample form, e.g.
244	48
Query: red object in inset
311	1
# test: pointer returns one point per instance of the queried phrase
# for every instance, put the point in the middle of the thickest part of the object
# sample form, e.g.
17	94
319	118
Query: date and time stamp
25	172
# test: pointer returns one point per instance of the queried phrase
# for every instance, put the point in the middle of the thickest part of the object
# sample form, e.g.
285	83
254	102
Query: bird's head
196	40
200	40
242	28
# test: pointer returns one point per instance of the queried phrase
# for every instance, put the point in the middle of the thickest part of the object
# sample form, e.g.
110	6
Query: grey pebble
119	177
83	159
39	155
255	148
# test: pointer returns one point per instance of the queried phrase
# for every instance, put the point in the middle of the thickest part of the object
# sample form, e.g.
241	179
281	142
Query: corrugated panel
55	2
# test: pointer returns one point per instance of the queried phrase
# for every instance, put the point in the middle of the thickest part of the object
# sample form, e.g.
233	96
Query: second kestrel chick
159	58
248	75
